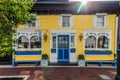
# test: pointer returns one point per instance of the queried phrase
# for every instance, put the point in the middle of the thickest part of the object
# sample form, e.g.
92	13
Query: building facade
63	34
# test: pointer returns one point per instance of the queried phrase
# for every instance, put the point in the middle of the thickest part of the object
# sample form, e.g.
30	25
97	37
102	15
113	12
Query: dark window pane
103	42
90	42
23	42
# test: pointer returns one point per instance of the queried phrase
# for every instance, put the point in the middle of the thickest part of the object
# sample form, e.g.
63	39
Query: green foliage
81	57
12	13
45	56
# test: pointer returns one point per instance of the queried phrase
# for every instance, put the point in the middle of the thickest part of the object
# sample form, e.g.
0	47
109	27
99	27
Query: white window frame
53	35
96	48
36	23
29	41
73	34
61	21
96	33
29	35
105	20
95	42
56	32
108	43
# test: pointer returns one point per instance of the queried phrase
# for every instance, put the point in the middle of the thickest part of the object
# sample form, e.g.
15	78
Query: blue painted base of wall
114	64
14	63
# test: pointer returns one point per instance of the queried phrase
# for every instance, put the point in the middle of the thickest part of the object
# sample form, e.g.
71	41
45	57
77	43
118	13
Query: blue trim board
63	61
114	63
73	50
97	52
29	53
53	50
14	63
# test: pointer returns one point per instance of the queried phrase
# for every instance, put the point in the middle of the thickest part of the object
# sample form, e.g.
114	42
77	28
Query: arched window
103	42
23	42
90	42
35	42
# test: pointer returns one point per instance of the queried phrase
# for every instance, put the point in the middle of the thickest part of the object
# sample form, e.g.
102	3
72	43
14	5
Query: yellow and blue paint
81	23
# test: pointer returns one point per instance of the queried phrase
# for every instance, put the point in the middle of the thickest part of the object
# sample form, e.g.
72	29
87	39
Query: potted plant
81	60
44	61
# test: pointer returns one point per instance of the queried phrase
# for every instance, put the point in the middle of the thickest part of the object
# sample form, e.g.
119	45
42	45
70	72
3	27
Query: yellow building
63	34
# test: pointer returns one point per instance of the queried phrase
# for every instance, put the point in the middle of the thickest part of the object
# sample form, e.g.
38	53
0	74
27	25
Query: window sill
34	27
65	27
100	27
23	49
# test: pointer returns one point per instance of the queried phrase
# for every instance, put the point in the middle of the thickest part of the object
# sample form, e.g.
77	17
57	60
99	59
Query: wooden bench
21	57
100	63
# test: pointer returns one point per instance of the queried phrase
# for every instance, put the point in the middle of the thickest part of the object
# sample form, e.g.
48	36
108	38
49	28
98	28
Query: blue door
63	48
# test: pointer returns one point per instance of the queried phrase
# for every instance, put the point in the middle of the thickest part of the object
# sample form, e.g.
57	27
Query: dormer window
66	21
33	24
100	20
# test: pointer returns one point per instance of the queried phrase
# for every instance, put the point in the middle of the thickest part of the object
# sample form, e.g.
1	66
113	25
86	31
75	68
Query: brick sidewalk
60	73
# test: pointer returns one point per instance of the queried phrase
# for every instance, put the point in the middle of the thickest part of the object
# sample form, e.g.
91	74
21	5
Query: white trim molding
97	34
53	56
28	33
70	21
105	20
116	35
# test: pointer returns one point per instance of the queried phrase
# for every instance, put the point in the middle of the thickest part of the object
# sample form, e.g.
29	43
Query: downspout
116	38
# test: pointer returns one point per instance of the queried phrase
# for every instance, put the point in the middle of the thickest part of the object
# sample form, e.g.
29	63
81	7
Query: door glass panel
63	42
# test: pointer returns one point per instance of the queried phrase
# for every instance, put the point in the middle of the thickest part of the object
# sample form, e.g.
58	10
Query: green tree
12	13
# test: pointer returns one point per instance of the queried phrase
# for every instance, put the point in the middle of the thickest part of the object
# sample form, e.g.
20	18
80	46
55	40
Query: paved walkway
61	73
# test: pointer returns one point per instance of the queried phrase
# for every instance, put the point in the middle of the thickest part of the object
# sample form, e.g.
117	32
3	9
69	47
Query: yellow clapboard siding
81	23
99	57
23	57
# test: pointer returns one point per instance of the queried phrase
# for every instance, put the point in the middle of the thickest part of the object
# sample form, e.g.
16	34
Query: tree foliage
12	13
